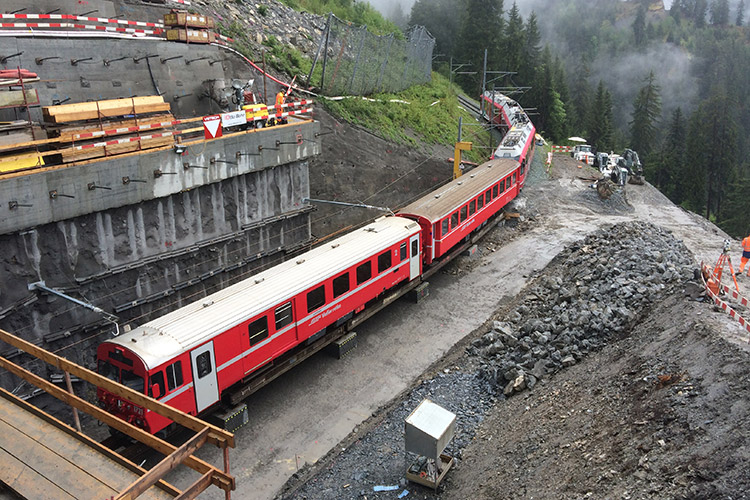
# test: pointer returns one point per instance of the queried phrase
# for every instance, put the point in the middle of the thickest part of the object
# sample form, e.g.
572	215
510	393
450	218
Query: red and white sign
233	119
212	126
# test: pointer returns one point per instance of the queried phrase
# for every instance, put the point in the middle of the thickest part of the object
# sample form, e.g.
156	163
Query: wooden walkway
42	458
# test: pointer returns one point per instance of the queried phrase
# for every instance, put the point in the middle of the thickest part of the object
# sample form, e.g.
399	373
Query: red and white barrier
122	141
157	31
71	17
562	149
706	271
124	130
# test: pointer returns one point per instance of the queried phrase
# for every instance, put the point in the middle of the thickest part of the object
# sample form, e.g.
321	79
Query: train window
158	380
436	230
107	369
119	356
384	261
514	179
283	315
341	285
488	196
494	191
203	364
402	252
364	272
446	228
316	298
463	213
473	207
132	380
414	248
523	166
257	330
502	185
480	202
454	221
174	375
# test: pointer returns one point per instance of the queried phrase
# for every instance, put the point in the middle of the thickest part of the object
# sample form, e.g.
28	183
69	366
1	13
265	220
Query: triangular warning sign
212	126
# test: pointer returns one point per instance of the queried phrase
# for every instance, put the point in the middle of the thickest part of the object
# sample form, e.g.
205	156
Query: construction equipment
632	163
582	152
714	281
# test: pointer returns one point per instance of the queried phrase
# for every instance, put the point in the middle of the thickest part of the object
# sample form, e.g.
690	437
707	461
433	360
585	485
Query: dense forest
673	84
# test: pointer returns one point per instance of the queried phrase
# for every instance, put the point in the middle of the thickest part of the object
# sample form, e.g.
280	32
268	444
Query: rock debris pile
601	286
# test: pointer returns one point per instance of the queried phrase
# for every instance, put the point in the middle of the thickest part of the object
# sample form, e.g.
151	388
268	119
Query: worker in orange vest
745	255
279	101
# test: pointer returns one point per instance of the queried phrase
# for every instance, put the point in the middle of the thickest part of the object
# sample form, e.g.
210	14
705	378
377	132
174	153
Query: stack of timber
181	21
16	133
110	127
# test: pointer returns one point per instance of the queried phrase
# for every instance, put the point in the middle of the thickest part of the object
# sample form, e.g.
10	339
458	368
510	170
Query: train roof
442	202
160	340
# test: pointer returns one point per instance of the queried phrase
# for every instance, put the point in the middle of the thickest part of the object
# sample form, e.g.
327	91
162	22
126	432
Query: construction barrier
706	271
562	149
71	17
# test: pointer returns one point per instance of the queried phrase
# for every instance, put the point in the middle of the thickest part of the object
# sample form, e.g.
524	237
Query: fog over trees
672	83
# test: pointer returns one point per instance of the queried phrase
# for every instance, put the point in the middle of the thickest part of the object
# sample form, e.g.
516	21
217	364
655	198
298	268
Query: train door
204	376
414	257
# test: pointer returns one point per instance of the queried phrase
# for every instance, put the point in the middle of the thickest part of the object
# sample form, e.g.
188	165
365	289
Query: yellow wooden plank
63	113
19	162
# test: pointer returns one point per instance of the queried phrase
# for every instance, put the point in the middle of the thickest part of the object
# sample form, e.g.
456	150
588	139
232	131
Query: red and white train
191	356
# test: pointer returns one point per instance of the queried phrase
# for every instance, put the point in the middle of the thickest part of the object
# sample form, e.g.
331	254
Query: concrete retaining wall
151	175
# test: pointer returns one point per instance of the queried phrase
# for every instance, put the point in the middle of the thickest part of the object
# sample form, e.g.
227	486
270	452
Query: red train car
189	357
449	215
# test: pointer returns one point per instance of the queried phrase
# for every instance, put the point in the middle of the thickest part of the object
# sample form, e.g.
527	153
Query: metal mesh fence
352	61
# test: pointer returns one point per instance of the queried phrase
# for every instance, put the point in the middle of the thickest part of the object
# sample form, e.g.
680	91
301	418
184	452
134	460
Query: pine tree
720	12
513	41
734	218
646	115
666	178
692	179
639	27
600	129
442	18
700	8
552	117
531	52
740	19
475	37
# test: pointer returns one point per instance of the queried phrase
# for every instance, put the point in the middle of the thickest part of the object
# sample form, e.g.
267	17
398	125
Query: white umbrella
577	139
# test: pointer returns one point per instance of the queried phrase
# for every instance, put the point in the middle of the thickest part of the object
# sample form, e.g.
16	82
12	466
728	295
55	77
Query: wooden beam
219	437
196	488
224	481
63	113
170	462
95	445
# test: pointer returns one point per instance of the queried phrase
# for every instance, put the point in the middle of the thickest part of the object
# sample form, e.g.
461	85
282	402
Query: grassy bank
431	116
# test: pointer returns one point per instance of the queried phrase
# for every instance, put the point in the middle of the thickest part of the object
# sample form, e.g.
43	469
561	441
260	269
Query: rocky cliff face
253	22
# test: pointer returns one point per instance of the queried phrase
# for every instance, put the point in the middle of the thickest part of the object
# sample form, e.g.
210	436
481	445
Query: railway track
469	105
